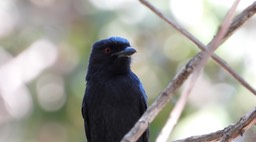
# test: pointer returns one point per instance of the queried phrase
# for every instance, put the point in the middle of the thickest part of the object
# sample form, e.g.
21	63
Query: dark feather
114	98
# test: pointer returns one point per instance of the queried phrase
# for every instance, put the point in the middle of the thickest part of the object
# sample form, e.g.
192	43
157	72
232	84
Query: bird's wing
143	93
144	106
85	116
145	136
145	98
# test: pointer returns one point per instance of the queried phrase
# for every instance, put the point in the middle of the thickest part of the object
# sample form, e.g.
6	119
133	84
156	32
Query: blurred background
44	51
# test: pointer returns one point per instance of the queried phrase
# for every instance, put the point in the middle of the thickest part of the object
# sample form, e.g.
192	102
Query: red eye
107	50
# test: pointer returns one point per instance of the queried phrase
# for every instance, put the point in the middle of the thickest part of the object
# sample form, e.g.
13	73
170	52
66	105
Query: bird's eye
107	50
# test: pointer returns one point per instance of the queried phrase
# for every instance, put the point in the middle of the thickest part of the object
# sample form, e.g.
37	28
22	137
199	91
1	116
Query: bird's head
111	56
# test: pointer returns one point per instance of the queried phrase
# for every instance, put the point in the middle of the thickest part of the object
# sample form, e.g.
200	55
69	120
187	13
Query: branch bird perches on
178	80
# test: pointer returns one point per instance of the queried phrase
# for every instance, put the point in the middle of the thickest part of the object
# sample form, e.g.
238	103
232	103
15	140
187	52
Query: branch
178	80
239	20
162	100
174	115
178	108
228	133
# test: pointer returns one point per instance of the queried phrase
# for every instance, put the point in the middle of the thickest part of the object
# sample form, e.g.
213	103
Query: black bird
114	97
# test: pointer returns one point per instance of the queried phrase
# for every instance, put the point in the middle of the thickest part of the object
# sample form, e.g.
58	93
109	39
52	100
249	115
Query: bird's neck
107	73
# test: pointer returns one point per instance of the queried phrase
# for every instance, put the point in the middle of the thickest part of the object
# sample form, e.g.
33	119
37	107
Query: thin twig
239	20
228	133
161	100
174	115
178	108
216	41
167	94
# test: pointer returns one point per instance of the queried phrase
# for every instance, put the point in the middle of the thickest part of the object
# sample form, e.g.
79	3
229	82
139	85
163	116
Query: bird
114	97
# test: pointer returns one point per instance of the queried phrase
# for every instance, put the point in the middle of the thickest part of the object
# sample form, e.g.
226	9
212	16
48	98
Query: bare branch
178	108
161	100
239	20
216	41
228	133
178	80
174	115
222	29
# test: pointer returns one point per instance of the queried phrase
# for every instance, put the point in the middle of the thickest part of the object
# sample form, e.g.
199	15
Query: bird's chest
117	93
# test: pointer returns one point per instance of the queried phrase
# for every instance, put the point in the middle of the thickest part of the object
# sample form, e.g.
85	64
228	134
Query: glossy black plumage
114	98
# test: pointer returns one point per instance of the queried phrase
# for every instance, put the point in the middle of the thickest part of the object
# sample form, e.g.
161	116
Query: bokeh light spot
18	102
50	92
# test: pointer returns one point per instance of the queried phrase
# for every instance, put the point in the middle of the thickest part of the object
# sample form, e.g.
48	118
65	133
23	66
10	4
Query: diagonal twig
174	115
167	94
216	41
230	132
239	20
162	100
179	107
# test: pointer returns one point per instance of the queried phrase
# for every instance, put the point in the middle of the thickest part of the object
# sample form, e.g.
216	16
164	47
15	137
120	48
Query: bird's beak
127	52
